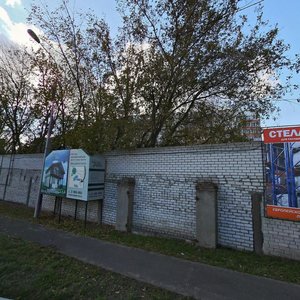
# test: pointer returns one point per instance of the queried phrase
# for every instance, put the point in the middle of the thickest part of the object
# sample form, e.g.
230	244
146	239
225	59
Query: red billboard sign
289	213
281	135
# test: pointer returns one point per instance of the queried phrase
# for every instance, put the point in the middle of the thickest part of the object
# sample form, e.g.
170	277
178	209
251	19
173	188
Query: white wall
165	191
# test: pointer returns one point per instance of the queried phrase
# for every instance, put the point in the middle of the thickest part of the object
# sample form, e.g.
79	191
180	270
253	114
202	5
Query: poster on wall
282	172
54	181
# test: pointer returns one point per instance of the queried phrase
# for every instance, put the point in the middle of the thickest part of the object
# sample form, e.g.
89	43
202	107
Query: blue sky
286	13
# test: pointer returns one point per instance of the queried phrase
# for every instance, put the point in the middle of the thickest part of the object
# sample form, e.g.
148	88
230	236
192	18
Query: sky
285	13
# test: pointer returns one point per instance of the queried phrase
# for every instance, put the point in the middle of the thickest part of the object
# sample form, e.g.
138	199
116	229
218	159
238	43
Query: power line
249	5
289	100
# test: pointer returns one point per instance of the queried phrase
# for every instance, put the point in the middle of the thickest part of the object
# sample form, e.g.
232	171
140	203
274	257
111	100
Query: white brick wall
26	168
165	191
21	183
164	200
281	238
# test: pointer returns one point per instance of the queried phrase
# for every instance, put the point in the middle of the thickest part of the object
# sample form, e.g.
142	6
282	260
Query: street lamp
38	204
33	35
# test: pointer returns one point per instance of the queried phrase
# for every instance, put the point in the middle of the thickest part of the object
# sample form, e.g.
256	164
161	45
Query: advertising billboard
281	135
282	172
54	181
74	174
78	174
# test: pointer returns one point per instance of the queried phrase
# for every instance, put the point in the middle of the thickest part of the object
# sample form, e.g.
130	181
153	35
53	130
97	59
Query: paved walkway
188	278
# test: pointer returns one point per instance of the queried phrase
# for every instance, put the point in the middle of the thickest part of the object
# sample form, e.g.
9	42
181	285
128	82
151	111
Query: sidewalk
184	277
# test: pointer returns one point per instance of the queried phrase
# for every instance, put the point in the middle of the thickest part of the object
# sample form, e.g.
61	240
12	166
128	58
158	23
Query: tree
51	90
85	103
179	72
16	100
200	55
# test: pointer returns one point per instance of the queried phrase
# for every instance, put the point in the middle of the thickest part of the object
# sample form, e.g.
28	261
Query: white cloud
4	17
13	3
16	31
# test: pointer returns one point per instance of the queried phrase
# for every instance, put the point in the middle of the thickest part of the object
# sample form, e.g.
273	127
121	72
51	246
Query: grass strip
28	271
242	261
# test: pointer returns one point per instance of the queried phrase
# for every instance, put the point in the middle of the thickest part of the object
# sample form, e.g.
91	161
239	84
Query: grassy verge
272	267
28	271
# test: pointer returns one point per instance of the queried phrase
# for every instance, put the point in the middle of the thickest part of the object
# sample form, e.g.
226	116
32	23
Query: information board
74	174
282	172
78	174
